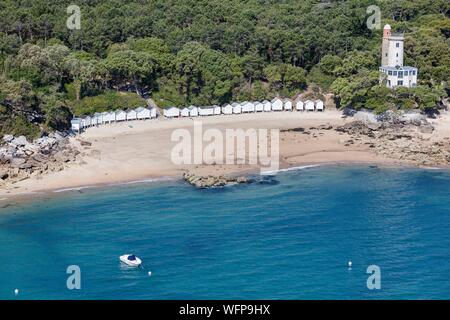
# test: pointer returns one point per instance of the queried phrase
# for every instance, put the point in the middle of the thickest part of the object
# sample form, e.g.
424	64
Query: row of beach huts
276	104
97	119
141	113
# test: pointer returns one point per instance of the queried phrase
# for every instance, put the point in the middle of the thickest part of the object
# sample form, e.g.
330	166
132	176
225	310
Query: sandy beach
139	150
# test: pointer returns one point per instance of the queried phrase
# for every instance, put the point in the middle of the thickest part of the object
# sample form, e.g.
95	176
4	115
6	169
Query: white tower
392	61
392	48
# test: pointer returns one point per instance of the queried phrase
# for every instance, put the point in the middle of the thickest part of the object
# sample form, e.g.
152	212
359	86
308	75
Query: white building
86	122
76	125
247	107
217	110
287	103
97	119
171	112
153	113
267	106
237	108
259	107
206	111
184	112
121	115
394	73
193	111
299	105
319	105
109	117
277	104
131	115
143	113
309	105
227	109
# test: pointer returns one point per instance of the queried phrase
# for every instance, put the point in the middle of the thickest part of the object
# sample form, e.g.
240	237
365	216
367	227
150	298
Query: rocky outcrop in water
203	182
20	159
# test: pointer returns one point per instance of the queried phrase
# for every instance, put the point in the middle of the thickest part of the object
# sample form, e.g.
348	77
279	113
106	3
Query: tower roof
387	27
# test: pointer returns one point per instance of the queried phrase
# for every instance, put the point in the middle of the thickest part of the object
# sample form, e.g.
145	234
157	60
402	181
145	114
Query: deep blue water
290	238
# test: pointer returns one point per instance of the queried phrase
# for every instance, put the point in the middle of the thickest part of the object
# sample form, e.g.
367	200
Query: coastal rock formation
20	159
203	182
402	138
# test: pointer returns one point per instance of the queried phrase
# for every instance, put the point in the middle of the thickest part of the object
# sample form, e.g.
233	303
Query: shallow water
287	238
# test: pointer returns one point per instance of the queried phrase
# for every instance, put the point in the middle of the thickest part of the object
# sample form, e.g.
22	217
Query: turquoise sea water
287	238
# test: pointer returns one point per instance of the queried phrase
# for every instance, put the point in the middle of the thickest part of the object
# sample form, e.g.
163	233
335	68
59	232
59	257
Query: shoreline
139	152
27	197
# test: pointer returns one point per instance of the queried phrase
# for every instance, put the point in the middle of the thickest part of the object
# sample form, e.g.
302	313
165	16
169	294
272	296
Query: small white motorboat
130	260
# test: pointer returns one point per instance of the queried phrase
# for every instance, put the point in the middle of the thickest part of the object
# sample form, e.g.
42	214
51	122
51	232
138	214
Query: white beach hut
193	111
97	119
309	105
267	105
299	105
227	109
76	124
247	107
153	113
142	113
109	117
237	108
277	104
86	122
131	115
287	104
206	111
259	107
217	110
121	115
319	105
171	112
184	112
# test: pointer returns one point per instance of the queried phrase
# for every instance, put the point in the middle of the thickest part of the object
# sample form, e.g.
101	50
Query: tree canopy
210	52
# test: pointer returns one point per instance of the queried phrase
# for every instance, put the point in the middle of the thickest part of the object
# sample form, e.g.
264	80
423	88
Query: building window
390	72
386	54
400	74
397	45
397	55
395	73
400	82
414	72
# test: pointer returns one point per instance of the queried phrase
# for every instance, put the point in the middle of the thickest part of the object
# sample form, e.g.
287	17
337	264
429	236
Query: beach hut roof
266	101
139	109
119	111
97	114
287	100
76	121
192	106
275	99
234	104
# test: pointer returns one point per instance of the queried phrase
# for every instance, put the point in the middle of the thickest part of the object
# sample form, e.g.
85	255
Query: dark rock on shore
204	182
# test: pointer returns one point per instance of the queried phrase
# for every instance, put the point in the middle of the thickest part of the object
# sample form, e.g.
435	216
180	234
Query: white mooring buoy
16	291
349	264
